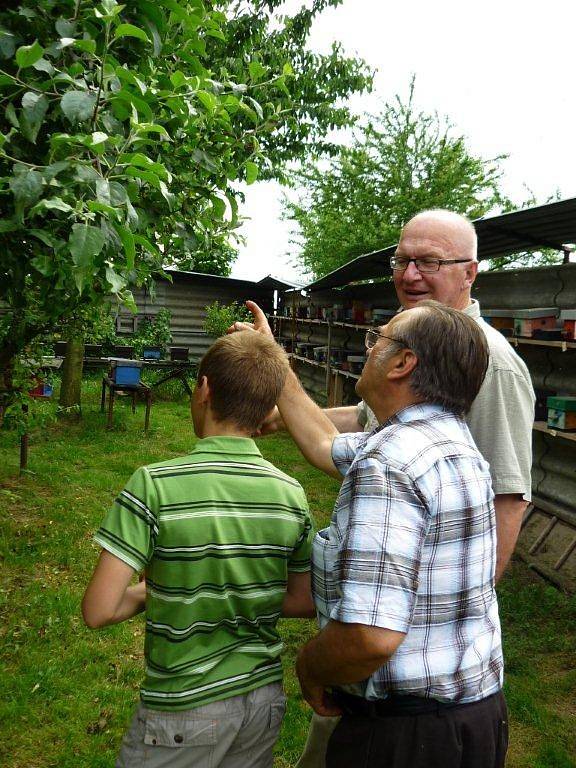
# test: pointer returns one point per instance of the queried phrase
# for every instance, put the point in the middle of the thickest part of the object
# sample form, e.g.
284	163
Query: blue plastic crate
127	374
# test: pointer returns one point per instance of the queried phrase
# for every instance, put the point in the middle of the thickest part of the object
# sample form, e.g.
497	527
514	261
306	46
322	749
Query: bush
153	332
220	317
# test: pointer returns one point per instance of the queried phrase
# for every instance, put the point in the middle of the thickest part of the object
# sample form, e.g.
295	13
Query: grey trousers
238	732
314	755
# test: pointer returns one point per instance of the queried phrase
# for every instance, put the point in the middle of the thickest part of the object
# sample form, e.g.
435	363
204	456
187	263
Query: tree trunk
71	387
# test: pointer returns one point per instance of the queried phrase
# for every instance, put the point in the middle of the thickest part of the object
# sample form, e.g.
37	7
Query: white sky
502	71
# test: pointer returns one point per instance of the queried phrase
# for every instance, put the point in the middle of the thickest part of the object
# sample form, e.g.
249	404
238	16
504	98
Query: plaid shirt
412	547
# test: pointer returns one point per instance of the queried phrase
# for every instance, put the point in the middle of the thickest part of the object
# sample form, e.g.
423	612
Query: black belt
396	706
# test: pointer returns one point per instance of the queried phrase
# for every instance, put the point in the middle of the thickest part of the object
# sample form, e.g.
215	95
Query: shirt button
178	738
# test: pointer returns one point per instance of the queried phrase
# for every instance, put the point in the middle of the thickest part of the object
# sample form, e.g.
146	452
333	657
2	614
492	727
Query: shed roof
201	277
544	226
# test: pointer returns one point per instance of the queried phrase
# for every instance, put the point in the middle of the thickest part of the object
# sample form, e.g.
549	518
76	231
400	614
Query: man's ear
470	273
404	363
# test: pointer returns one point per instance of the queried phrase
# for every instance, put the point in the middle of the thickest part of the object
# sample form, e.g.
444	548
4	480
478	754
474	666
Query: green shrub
220	317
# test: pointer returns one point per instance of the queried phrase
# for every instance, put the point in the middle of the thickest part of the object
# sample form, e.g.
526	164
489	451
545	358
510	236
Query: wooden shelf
514	340
563	345
333	323
541	426
339	371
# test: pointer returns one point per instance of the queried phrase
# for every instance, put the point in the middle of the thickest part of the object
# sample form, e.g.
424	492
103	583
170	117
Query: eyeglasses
400	263
372	337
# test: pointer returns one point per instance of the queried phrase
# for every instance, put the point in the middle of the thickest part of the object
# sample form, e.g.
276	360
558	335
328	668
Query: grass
68	693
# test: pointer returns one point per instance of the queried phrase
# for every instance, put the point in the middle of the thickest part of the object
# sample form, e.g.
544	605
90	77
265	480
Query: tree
318	85
402	162
116	141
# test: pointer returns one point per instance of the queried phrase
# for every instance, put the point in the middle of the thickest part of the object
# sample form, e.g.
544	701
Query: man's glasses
372	337
400	263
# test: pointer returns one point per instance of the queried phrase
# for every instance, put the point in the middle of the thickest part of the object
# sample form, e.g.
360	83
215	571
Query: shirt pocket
169	730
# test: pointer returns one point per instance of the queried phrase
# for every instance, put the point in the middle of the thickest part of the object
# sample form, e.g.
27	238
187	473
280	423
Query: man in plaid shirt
409	649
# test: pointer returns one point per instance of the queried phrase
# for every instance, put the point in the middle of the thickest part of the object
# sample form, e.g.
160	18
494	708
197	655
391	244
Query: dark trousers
455	736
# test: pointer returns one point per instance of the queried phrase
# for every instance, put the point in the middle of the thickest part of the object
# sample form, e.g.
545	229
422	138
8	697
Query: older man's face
451	284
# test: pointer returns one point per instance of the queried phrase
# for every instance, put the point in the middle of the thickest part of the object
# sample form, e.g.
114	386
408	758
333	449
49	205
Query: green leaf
27	55
148	176
167	195
34	108
51	204
43	65
52	170
43	236
102	208
219	206
26	187
287	69
89	46
65	28
98	137
208	100
127	239
204	159
78	106
103	191
7	44
85	243
251	172
118	195
129	30
257	71
12	116
115	280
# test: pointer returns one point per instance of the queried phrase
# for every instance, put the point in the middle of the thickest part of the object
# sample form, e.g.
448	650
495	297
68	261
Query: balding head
455	227
443	235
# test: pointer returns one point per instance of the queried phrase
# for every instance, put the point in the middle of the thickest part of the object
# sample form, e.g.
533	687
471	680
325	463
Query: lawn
68	692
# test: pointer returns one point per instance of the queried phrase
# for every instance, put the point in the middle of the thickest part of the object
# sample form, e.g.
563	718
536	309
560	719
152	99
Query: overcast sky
502	71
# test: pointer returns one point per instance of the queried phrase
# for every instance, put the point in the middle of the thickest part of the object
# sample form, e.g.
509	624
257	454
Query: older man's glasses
372	337
400	263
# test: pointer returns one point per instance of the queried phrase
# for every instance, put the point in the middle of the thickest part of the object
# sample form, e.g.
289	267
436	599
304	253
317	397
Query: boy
224	540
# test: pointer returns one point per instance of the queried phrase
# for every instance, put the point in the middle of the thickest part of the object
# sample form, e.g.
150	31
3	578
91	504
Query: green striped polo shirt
217	532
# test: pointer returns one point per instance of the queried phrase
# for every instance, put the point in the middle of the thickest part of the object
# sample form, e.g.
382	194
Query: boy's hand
260	323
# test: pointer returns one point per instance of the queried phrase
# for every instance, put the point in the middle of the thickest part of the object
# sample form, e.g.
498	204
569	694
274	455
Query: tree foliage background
400	162
124	131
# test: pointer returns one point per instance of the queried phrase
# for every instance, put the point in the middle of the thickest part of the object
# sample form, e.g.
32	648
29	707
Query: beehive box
568	322
526	321
126	372
562	413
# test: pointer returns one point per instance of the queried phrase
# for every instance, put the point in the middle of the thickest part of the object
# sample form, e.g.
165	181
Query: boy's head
240	379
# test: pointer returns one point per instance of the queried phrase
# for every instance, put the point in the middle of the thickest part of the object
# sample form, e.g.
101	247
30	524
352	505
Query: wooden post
328	366
24	441
110	406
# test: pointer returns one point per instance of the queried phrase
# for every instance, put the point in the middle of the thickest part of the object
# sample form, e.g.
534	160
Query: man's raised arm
310	428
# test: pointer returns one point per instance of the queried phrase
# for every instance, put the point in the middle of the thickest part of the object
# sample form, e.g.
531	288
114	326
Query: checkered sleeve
344	449
379	557
130	528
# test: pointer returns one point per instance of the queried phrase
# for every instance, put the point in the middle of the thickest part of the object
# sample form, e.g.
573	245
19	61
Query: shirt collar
226	444
415	412
473	309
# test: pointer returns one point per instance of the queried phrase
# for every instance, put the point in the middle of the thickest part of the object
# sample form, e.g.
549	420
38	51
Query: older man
436	259
409	648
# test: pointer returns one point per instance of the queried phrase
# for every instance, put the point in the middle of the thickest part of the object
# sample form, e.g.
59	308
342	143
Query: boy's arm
298	603
109	598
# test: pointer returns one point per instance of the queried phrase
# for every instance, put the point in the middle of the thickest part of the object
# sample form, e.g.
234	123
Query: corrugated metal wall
187	299
554	468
